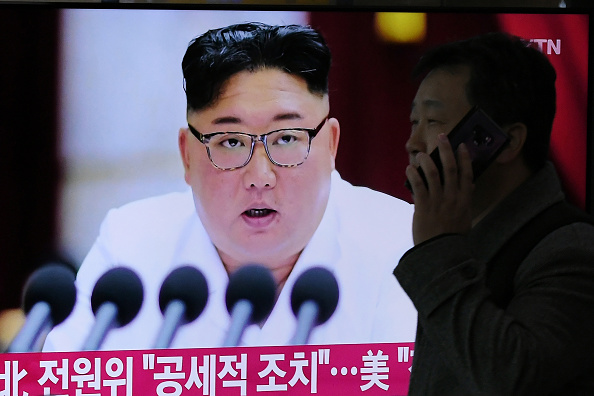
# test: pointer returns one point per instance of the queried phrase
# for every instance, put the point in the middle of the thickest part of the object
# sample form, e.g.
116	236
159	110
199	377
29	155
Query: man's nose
415	143
260	171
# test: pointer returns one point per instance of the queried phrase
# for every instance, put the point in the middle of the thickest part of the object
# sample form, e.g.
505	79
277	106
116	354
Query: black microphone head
122	287
319	285
53	284
188	285
255	284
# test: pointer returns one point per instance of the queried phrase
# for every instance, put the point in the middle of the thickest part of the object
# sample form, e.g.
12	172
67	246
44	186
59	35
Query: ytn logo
548	46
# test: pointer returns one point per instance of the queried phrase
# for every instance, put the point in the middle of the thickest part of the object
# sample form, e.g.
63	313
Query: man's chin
271	259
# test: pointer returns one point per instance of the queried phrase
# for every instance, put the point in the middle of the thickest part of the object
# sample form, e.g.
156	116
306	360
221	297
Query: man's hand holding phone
442	208
441	187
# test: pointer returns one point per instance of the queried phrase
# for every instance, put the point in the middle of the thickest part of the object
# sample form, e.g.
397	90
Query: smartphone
483	138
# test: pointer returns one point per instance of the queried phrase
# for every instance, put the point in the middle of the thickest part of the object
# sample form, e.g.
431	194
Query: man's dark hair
212	58
509	79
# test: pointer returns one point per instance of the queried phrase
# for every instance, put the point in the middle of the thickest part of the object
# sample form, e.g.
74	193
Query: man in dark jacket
487	325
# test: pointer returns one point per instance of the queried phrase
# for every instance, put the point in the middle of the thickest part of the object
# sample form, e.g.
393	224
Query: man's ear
182	142
517	137
334	139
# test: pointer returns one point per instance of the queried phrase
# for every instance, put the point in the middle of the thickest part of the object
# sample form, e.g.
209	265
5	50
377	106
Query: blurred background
91	101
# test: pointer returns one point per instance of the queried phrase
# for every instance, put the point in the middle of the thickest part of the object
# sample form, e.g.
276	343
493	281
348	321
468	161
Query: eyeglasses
287	147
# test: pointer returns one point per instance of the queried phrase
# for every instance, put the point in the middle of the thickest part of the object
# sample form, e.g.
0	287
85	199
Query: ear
182	141
334	138
517	137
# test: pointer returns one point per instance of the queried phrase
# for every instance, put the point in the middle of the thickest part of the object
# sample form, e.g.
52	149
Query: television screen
96	99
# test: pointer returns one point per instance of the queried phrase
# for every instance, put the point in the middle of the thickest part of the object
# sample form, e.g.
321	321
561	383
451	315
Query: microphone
313	300
249	298
182	299
48	298
116	300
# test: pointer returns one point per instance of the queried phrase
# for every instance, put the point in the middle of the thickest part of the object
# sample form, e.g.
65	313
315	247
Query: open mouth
255	213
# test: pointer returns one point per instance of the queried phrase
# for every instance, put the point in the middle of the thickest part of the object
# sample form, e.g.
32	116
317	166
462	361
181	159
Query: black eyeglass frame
205	139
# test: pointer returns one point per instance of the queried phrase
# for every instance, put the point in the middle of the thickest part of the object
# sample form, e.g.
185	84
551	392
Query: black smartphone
483	138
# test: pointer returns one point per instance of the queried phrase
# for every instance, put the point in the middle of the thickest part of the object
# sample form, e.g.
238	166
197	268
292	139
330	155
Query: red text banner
352	369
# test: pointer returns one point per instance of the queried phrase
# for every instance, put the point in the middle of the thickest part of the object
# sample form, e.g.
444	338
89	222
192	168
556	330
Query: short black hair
510	79
212	58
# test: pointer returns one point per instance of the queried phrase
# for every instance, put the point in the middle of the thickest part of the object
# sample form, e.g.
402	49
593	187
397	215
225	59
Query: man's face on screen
260	213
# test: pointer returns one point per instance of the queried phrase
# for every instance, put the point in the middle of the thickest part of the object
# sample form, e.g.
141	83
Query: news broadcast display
120	105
